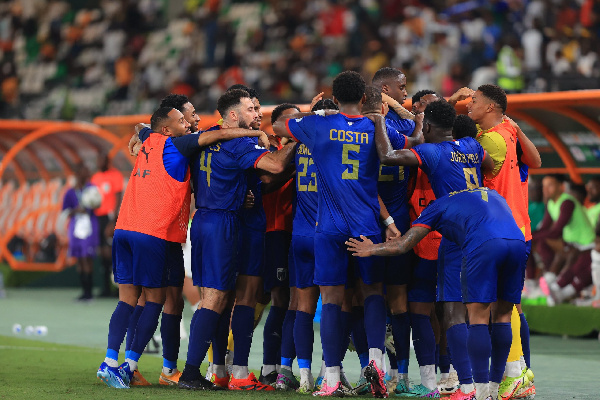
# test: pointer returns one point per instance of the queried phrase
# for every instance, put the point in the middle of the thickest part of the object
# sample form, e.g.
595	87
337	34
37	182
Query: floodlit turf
63	364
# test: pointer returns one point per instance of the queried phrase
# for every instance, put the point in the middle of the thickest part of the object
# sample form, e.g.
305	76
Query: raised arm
531	156
385	151
461	94
366	248
417	135
280	128
397	107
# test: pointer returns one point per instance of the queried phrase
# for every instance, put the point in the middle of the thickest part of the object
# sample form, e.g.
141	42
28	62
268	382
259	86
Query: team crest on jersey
281	274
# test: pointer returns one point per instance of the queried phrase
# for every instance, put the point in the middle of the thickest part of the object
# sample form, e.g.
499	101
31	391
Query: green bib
578	229
593	213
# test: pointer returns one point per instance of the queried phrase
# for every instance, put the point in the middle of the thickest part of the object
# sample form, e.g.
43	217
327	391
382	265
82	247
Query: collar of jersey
351	116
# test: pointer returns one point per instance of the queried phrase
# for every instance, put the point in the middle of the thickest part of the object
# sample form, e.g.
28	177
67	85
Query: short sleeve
430	216
428	155
246	152
144	134
494	144
303	129
397	139
186	144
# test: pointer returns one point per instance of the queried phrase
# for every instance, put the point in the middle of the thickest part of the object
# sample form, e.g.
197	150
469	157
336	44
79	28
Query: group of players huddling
408	220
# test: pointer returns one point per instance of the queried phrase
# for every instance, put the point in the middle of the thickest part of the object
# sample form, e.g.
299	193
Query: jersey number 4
353	164
205	165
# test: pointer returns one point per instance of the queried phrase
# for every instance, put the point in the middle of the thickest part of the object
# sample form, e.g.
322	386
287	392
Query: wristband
388	221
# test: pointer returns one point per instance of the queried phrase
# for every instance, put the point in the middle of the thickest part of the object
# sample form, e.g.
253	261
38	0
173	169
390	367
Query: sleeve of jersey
187	144
144	134
428	156
247	153
397	139
406	127
303	129
429	217
495	145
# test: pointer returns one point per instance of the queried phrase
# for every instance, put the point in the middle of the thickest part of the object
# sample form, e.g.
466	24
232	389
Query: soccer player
451	163
173	307
392	189
147	236
343	149
219	180
481	223
500	137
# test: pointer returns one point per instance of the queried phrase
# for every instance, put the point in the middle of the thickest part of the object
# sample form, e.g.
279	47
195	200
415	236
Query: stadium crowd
76	60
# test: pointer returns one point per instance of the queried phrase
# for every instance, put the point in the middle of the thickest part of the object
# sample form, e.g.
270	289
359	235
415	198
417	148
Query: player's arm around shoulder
531	156
211	137
385	151
487	164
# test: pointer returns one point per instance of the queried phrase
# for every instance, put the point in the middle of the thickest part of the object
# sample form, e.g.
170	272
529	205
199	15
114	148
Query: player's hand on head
392	232
316	99
360	248
462	94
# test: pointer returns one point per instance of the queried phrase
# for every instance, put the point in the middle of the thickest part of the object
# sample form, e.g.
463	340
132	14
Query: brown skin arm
281	130
211	137
397	107
417	136
387	155
487	165
391	231
275	182
276	162
531	156
461	94
366	248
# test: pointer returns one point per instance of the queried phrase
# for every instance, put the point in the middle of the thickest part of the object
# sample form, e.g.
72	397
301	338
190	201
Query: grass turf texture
63	364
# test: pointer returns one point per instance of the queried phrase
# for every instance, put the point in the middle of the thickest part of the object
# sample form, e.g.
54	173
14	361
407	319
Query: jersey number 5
354	163
205	165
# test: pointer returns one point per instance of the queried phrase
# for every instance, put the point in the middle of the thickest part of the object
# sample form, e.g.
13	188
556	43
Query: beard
243	125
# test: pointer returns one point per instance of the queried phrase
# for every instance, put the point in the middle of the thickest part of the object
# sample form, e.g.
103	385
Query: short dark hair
595	178
464	126
494	93
558	177
277	111
440	113
577	188
372	99
325	104
385	74
253	93
175	101
159	117
417	96
348	87
230	98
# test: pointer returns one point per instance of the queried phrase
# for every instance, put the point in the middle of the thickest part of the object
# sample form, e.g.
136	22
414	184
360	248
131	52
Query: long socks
116	332
169	332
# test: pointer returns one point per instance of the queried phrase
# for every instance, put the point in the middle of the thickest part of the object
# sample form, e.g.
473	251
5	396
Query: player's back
218	175
305	212
451	165
348	167
472	217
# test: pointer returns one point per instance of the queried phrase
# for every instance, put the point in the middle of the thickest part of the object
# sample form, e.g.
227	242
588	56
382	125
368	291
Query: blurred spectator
109	182
64	58
83	231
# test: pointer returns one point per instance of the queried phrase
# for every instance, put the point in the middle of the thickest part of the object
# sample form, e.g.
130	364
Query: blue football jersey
471	217
305	212
451	165
343	149
393	180
218	173
254	217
